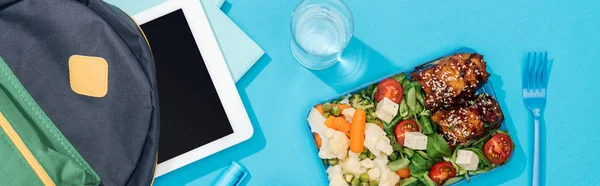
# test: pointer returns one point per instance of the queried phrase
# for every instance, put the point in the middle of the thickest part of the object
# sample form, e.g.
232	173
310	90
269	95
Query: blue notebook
240	52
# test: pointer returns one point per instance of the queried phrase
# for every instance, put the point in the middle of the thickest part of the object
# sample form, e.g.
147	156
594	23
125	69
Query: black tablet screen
191	113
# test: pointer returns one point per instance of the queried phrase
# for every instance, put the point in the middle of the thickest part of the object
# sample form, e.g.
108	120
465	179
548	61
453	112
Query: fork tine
532	68
538	72
526	71
530	71
545	72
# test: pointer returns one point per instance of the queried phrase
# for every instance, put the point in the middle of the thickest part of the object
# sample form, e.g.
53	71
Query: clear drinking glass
321	29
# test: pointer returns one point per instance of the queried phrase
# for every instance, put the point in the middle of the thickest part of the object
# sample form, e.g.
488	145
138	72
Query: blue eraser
234	175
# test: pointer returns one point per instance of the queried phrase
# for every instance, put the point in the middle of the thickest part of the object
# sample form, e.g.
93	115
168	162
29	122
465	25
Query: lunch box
486	88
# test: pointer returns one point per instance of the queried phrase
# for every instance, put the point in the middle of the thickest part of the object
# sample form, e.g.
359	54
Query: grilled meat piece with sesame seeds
452	80
489	110
461	124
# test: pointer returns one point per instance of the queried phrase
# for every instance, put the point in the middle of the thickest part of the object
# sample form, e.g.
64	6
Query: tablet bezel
219	73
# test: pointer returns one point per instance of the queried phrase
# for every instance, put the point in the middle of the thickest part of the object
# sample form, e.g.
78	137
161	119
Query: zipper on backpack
25	152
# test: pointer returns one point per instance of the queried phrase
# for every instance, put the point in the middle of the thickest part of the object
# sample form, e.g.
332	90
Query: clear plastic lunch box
486	88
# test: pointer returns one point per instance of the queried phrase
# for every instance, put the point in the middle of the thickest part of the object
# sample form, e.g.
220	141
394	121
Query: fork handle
538	119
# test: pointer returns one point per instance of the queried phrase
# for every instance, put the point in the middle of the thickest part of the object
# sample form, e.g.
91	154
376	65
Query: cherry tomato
498	148
442	171
405	126
391	89
403	173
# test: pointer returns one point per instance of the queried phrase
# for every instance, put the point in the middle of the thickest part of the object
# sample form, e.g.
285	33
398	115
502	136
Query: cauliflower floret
387	177
376	141
349	114
336	147
352	154
374	173
384	145
336	177
367	163
352	164
345	100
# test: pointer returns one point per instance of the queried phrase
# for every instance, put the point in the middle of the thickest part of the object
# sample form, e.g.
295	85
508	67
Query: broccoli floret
372	117
359	102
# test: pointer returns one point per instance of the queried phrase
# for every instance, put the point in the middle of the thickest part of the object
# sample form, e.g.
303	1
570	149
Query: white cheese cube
415	140
467	160
386	110
349	114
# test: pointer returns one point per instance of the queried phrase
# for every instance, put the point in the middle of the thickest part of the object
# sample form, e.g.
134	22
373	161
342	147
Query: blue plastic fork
535	81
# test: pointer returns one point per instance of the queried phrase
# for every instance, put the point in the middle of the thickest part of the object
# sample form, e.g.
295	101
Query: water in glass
321	29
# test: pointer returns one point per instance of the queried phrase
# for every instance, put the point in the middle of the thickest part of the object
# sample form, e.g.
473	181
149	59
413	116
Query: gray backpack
89	68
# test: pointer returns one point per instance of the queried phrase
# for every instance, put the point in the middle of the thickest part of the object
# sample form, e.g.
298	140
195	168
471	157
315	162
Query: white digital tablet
201	112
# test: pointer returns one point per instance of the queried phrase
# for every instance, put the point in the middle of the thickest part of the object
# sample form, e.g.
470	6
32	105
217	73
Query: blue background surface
393	35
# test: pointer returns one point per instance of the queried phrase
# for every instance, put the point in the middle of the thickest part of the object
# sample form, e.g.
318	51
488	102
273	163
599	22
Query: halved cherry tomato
391	89
405	126
403	173
441	171
498	148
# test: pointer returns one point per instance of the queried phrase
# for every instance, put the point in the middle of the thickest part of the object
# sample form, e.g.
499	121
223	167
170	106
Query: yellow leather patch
88	75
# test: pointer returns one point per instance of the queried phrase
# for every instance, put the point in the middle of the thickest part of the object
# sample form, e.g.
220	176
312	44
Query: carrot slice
403	173
329	122
317	140
319	107
342	125
357	131
381	125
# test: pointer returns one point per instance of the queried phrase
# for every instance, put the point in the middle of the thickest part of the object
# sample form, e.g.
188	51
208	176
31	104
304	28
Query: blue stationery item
239	50
234	175
219	3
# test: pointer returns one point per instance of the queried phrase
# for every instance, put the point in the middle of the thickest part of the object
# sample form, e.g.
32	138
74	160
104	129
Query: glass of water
321	29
